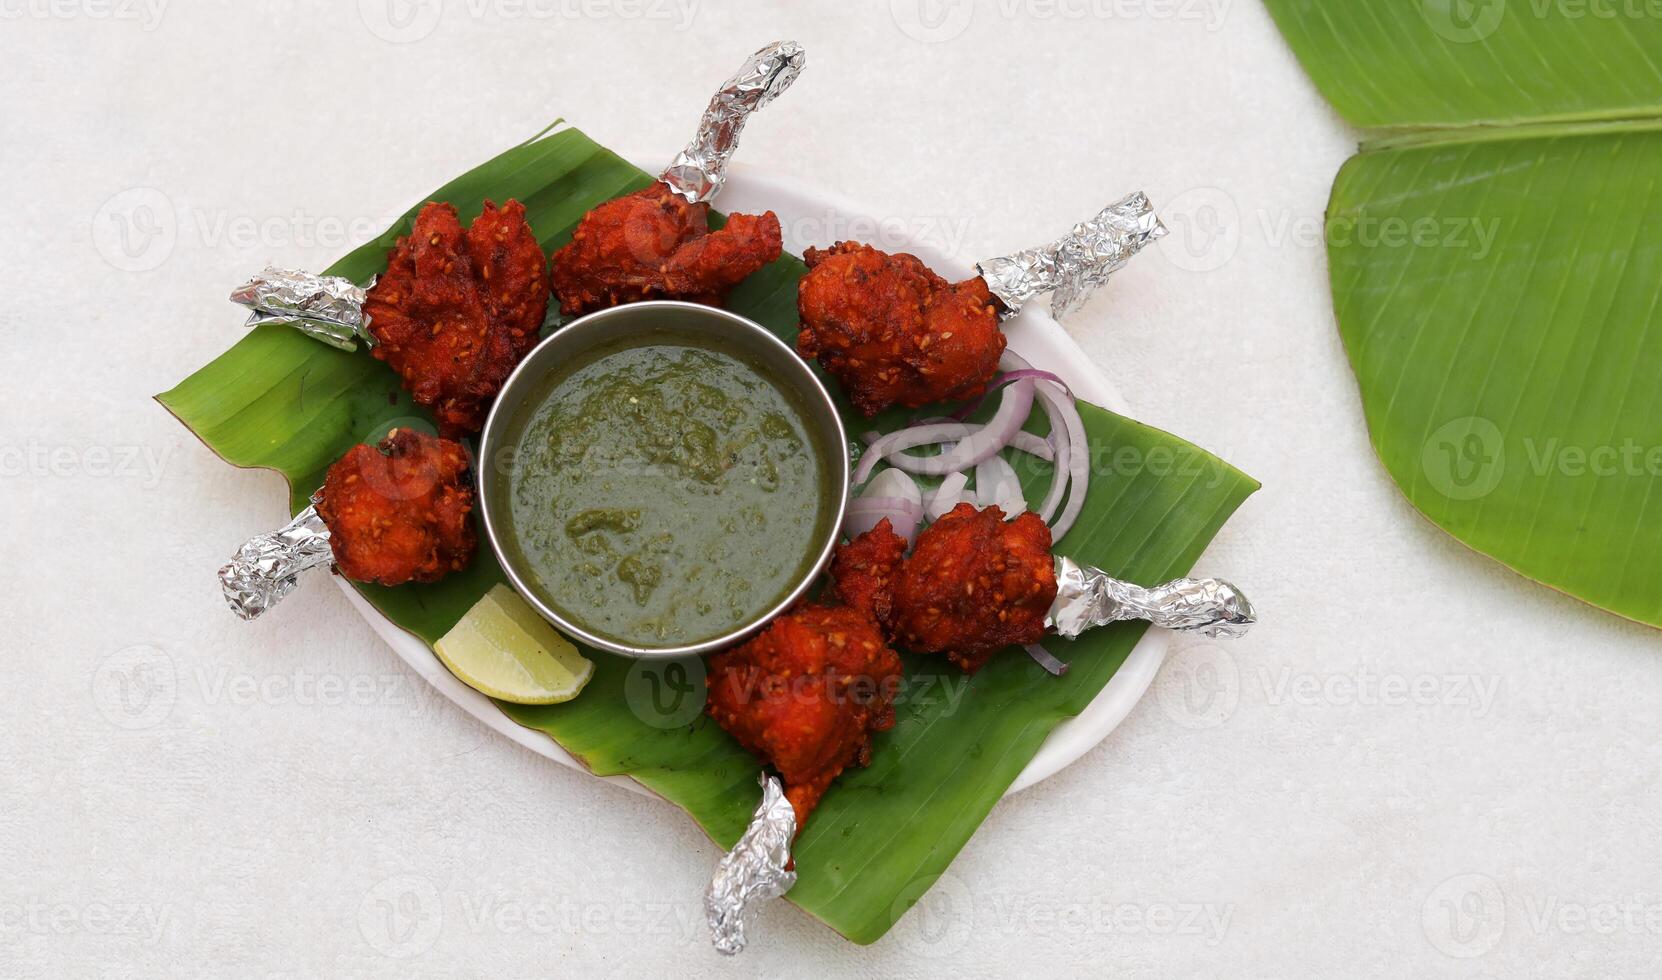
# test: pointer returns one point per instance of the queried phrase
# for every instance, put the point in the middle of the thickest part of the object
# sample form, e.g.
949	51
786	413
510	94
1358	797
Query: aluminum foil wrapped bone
1087	597
754	870
325	308
268	566
699	171
1078	262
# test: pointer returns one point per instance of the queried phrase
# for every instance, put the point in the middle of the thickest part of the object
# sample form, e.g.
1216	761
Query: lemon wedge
502	648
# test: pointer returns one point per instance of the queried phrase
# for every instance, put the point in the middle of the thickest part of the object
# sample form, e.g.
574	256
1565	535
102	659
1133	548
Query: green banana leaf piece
1496	264
279	400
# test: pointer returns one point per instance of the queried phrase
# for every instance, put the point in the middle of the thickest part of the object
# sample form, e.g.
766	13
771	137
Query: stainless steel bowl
728	332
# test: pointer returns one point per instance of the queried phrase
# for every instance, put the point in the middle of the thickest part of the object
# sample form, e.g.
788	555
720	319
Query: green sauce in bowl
662	492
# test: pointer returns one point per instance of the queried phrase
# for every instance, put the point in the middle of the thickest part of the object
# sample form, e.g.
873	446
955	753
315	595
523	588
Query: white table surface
1418	765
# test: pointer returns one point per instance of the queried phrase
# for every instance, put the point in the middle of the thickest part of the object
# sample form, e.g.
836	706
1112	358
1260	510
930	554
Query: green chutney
663	493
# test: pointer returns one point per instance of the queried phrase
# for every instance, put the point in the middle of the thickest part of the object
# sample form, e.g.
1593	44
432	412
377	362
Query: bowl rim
817	403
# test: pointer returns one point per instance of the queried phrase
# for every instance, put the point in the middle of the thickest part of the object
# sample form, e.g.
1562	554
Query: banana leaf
1495	253
279	400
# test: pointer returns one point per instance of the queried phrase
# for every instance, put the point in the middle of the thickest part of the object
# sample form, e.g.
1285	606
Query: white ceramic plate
811	216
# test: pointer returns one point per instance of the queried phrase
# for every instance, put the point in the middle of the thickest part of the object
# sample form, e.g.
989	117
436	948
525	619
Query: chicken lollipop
454	313
397	512
653	244
892	331
656	243
457	310
974	584
895	333
977	583
806	696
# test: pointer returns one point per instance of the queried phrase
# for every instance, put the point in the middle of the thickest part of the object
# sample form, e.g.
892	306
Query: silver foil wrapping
698	171
1087	597
326	308
266	568
1078	262
754	871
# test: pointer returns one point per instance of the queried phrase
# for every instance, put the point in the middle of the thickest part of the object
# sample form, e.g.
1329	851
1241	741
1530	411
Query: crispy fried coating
892	331
974	585
863	571
806	696
399	512
652	244
456	310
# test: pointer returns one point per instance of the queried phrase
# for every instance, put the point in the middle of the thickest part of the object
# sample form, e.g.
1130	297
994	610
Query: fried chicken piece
398	512
457	310
863	571
893	332
806	696
974	585
652	244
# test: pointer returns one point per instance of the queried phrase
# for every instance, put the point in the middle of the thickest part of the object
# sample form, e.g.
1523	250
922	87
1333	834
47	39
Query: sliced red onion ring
1046	659
971	449
893	483
917	435
1033	445
890	494
1004	379
1037	375
996	485
1027	442
1075	457
946	496
965	445
1062	445
1067	435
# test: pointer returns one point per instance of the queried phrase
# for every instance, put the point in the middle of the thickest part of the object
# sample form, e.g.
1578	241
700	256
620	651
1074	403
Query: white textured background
1419	765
